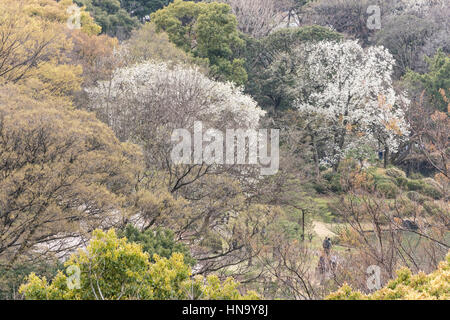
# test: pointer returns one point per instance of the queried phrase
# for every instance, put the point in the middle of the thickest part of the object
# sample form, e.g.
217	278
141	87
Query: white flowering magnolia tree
156	94
146	102
349	90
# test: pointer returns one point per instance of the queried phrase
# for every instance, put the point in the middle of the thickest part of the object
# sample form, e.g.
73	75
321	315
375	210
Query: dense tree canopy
224	149
114	269
114	20
208	31
59	166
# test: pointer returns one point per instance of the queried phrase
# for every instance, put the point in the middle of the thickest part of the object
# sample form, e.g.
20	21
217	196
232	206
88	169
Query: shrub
157	241
320	187
395	173
111	268
433	208
434	286
335	184
388	189
433	183
402	182
415	176
333	181
416	197
415	185
432	192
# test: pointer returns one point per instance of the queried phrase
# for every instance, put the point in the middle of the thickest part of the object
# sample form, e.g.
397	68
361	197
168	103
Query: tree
214	209
436	82
34	46
62	173
433	286
269	80
114	20
404	43
119	102
410	49
207	31
143	8
350	89
145	44
157	241
344	16
258	17
114	269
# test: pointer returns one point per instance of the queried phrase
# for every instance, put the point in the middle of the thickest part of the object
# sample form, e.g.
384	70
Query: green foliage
334	181
437	78
157	241
146	44
434	286
416	176
432	192
415	185
207	31
416	197
142	8
401	182
114	20
388	189
113	268
12	277
395	173
433	208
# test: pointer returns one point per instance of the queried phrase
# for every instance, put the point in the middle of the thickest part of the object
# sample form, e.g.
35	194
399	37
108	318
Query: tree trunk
386	156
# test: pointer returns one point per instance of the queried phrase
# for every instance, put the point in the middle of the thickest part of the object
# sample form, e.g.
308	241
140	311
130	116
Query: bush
388	189
415	185
121	270
415	176
433	208
433	183
416	197
432	192
335	184
401	182
395	173
320	187
434	286
333	180
158	241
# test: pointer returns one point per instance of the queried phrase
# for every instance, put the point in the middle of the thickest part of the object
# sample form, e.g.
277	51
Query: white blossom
351	90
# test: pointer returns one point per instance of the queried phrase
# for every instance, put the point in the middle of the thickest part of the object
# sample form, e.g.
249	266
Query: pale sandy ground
322	230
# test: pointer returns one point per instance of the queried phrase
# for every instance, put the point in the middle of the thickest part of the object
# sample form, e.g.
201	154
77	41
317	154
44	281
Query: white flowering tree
145	103
349	89
157	94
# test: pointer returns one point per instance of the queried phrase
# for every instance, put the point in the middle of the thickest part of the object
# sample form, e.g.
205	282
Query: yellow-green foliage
58	166
113	268
41	61
147	44
434	286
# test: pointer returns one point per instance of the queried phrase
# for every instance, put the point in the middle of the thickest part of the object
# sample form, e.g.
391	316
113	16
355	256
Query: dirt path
322	230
